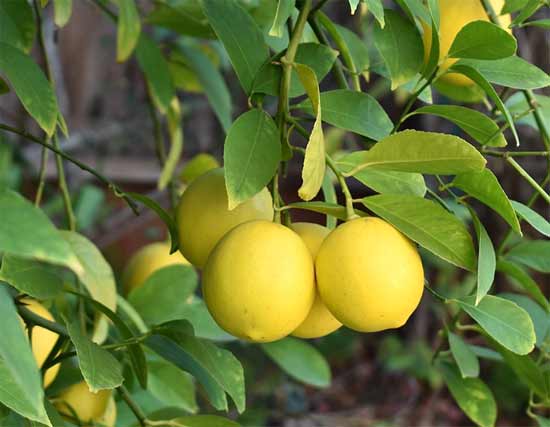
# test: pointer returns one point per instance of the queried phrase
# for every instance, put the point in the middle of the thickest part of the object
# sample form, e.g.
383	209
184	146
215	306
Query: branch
529	179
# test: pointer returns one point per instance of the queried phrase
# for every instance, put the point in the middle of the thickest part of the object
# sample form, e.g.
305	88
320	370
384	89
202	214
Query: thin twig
536	186
134	407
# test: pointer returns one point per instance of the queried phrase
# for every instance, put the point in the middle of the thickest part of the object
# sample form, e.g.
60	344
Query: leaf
99	368
183	17
329	195
542	421
313	170
529	9
31	86
197	166
384	181
400	46
354	111
284	10
128	29
17	24
325	208
359	52
63	10
534	254
212	81
504	321
514	72
485	187
300	360
251	155
173	119
480	127
472	395
29	277
377	9
483	40
428	224
537	221
353	5
206	421
511	6
423	152
464	357
172	386
241	37
486	260
541	23
27	232
169	287
20	380
156	70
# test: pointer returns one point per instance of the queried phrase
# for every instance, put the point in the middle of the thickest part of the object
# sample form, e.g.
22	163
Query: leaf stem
350	212
134	407
41	176
529	179
505	154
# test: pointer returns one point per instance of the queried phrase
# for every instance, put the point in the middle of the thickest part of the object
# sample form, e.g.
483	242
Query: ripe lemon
87	406
455	14
43	340
258	282
146	261
369	275
319	322
203	217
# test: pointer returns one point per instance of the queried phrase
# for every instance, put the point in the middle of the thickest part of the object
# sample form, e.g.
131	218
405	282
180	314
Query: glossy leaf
284	10
251	154
486	260
428	224
537	221
17	24
300	360
63	10
482	40
128	29
465	358
534	254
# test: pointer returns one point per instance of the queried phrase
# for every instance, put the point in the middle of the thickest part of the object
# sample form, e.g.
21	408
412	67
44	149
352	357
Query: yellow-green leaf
128	30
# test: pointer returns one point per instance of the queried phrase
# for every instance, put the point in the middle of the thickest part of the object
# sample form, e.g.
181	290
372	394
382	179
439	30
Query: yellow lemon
203	217
369	275
42	340
77	400
258	282
146	261
320	321
453	16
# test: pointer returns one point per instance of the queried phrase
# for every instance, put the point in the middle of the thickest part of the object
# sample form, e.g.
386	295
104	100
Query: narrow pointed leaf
465	358
486	261
128	29
536	220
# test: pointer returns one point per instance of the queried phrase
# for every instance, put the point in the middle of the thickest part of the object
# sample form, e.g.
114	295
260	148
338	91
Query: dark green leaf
537	221
529	9
486	353
377	9
184	17
483	40
30	277
534	254
464	356
17	25
358	49
486	260
128	29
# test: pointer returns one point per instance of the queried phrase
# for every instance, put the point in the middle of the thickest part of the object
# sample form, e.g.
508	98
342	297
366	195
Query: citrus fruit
89	407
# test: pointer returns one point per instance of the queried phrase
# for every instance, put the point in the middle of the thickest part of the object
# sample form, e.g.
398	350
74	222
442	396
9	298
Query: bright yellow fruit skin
369	275
203	217
319	321
89	407
146	261
258	282
43	340
455	14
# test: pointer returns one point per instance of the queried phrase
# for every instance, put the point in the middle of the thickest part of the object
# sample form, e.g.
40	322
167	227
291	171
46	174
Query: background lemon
258	283
146	261
453	15
42	340
319	321
89	407
203	217
369	275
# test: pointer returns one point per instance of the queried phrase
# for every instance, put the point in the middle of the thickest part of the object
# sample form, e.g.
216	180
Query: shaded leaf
534	254
17	24
172	386
464	356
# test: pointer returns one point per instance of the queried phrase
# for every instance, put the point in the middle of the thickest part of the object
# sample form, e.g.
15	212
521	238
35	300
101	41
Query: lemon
258	282
454	15
203	217
42	340
369	275
146	261
320	321
87	406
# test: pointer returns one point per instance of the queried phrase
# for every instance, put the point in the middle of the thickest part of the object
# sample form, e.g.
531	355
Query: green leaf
503	320
480	127
511	6
99	368
30	277
534	254
485	187
313	170
203	323
400	46
172	386
471	94
376	7
483	40
464	357
529	9
184	17
251	155
353	5
18	370
537	221
514	72
300	360
472	395
384	181
169	287
128	29
27	232
541	23
206	421
325	208
31	86
17	25
542	421
212	81
428	224
63	10
173	121
156	70
486	260
284	10
241	37
486	353
359	51
354	111
423	152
